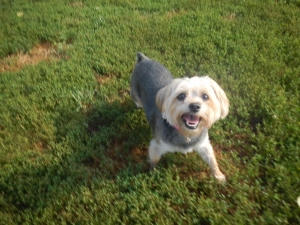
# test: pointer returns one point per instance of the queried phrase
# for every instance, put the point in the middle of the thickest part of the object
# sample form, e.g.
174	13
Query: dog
180	111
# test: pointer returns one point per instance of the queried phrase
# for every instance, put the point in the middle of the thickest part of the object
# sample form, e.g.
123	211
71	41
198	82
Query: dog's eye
205	97
181	97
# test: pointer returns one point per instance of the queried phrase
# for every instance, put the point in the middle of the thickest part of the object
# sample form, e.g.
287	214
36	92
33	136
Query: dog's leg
155	153
207	154
138	104
134	92
135	98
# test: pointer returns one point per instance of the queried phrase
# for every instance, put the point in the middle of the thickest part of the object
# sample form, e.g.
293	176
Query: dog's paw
220	177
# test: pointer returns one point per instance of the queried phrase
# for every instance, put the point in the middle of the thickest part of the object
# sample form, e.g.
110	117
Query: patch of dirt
102	79
230	17
42	52
79	4
139	155
173	13
41	146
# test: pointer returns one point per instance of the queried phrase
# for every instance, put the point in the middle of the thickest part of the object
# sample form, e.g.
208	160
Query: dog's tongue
191	119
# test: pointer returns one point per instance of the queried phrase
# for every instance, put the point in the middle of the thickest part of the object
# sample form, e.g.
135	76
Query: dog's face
191	104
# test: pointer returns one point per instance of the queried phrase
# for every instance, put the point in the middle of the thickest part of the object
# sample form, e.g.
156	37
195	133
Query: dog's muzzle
190	120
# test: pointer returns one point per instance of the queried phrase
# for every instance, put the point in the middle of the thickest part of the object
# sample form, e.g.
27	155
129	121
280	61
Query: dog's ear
224	102
160	99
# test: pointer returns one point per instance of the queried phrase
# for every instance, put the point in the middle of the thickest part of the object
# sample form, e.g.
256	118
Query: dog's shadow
119	137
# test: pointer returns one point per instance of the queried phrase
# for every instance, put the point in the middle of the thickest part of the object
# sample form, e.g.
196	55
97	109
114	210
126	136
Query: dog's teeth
192	124
190	120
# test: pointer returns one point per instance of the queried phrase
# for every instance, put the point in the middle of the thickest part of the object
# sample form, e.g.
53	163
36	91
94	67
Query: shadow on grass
110	145
120	136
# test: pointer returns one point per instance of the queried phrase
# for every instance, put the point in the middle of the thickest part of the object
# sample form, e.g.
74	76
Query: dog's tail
140	57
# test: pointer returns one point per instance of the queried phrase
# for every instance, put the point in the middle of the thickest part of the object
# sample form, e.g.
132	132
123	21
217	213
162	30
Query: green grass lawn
73	147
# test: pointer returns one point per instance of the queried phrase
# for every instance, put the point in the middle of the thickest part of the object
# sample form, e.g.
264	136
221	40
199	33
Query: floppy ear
160	99
221	96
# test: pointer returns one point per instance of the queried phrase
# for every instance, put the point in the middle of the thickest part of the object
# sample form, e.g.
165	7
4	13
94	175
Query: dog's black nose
194	107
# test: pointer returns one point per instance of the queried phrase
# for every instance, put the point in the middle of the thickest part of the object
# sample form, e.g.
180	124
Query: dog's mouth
191	121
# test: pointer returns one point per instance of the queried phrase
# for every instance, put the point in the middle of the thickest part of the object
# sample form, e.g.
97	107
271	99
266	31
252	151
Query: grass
74	147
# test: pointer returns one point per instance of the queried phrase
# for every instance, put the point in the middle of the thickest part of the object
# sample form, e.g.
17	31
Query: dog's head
191	104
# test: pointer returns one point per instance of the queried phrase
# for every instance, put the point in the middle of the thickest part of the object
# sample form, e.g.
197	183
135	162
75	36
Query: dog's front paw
220	177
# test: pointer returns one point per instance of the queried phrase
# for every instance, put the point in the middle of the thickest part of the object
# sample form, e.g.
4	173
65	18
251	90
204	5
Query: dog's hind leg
138	104
134	94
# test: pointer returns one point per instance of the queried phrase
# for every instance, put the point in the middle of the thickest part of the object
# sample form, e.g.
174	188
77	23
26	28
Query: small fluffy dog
179	111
